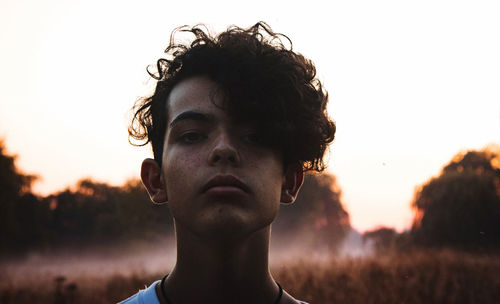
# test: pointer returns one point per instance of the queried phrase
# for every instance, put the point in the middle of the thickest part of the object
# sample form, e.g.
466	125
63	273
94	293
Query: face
218	179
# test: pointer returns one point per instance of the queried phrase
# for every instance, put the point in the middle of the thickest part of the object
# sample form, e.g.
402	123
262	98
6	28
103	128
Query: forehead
194	93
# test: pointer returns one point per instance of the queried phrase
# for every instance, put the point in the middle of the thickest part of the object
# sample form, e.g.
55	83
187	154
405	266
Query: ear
152	180
292	181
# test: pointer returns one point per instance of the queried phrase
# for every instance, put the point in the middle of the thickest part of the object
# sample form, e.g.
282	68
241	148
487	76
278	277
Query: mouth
225	185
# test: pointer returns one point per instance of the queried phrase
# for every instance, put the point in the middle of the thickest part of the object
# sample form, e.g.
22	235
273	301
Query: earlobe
293	179
152	180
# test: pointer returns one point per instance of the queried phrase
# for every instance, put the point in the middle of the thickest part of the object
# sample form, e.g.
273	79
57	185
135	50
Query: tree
461	207
98	212
17	204
383	238
317	218
13	183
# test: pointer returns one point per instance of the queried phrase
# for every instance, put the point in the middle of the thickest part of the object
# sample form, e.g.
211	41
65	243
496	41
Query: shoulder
144	296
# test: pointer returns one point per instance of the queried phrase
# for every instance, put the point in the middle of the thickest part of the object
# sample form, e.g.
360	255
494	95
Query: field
416	277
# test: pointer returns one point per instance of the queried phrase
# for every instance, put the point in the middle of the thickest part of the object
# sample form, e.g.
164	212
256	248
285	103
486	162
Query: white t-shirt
148	296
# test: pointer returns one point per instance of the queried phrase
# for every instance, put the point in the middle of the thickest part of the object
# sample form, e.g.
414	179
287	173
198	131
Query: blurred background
410	202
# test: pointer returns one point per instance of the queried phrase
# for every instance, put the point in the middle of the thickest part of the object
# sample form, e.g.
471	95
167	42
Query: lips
225	184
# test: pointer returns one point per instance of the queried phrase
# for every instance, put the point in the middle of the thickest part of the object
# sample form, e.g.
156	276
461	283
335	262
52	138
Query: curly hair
265	83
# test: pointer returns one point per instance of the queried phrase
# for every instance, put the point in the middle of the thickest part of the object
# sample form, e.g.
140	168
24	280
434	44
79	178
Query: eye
191	137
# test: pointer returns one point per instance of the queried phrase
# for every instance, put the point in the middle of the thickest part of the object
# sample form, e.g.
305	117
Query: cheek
179	172
270	178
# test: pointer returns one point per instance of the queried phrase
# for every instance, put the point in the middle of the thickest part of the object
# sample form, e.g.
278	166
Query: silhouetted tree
98	212
317	218
383	238
18	207
461	207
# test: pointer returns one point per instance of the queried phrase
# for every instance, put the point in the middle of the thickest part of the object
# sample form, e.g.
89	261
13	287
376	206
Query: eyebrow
192	115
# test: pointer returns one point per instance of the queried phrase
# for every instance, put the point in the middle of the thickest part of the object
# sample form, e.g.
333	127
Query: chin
231	224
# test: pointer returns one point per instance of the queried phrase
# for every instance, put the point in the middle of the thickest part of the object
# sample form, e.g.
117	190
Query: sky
411	84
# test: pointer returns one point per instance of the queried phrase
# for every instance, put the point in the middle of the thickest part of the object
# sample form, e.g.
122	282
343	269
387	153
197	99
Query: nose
224	151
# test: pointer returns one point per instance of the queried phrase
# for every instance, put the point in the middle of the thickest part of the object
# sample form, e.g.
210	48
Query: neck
218	271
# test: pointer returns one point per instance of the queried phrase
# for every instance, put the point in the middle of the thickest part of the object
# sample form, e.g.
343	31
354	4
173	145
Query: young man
235	122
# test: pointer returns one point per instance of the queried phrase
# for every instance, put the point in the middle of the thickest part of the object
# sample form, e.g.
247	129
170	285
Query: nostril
228	155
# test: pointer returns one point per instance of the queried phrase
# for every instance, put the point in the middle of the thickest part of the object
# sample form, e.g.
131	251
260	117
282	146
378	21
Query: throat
227	273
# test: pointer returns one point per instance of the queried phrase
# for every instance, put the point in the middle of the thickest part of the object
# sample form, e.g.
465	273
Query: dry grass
423	277
432	277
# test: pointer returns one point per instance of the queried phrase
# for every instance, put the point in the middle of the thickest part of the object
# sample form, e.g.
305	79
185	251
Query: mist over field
49	271
99	262
151	257
104	275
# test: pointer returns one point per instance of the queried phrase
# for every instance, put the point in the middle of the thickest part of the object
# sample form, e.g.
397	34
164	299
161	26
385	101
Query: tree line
94	212
459	208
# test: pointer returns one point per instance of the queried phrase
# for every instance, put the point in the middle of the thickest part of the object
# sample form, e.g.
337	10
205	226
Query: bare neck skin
221	271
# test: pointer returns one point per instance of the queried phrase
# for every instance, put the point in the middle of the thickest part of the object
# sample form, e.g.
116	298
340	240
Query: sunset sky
411	84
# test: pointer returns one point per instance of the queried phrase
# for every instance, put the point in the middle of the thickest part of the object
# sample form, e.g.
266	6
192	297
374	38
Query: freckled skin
218	147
